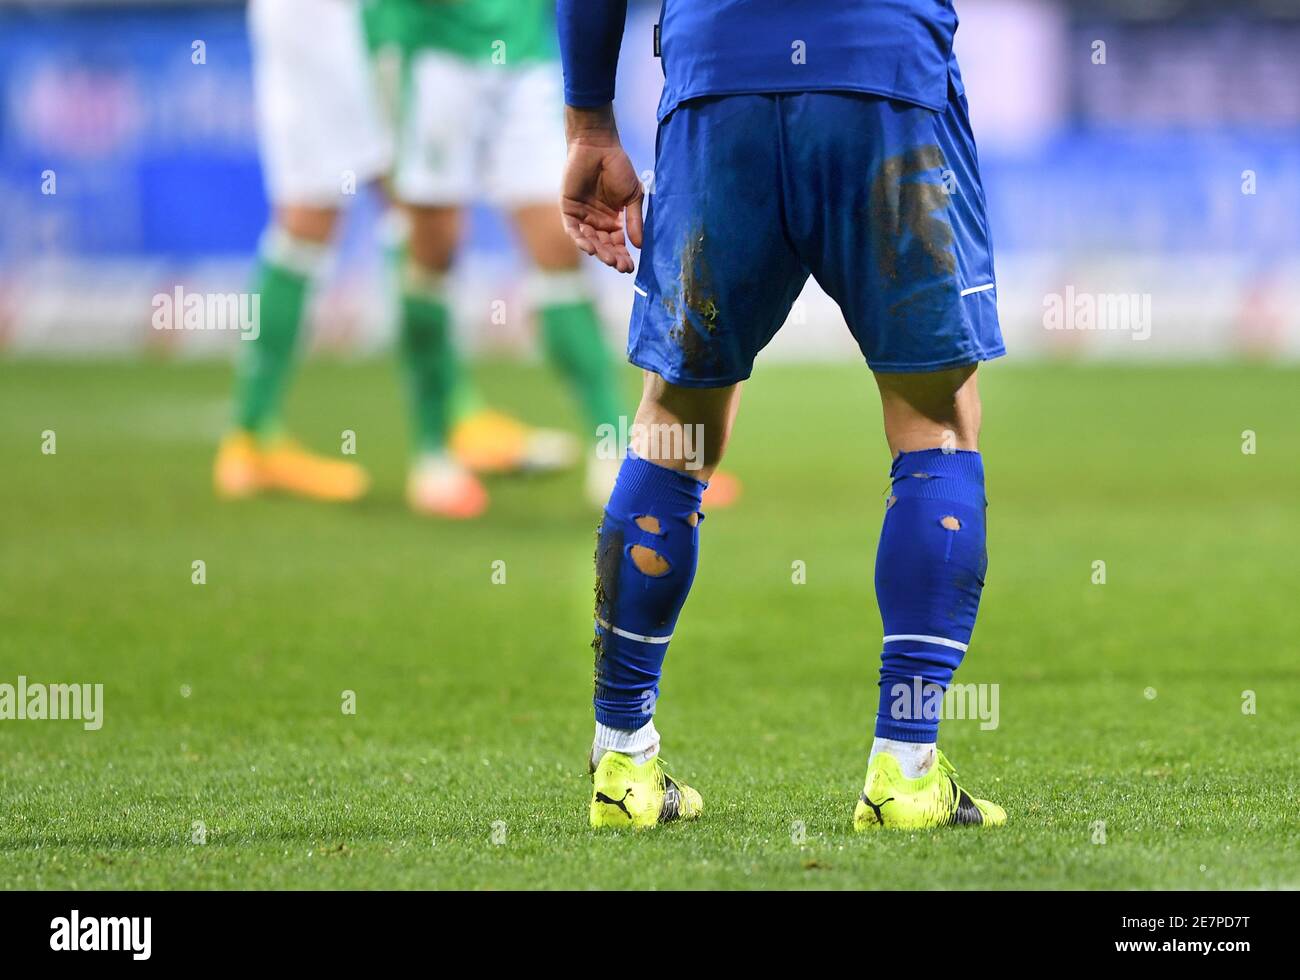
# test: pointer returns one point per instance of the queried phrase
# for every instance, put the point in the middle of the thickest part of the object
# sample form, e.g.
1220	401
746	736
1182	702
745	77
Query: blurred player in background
477	102
456	101
818	138
318	126
324	132
476	87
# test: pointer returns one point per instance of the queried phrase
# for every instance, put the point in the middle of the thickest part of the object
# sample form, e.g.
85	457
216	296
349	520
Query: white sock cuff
554	287
626	741
298	255
424	283
914	758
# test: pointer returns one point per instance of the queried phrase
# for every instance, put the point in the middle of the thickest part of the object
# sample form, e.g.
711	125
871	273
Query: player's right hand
599	185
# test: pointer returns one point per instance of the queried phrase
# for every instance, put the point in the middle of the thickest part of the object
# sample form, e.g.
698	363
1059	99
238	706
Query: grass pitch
463	766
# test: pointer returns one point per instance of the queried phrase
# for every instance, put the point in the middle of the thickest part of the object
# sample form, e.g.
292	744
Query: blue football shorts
879	200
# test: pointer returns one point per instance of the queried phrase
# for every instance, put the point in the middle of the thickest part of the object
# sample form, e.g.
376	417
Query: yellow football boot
488	441
288	467
890	800
245	466
236	473
624	794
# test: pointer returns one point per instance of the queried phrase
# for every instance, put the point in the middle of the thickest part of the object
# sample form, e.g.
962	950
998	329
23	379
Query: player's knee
434	234
931	410
545	239
687	426
554	252
307	224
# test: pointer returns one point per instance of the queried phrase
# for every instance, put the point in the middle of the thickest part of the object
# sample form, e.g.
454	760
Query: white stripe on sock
634	636
939	640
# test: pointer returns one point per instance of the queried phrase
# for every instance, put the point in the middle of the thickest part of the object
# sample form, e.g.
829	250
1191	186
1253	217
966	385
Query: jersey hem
667	105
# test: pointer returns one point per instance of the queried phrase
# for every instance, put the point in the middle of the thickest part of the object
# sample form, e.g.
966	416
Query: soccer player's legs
528	127
438	485
444	119
432	178
320	137
717	279
930	568
571	333
646	553
567	315
890	220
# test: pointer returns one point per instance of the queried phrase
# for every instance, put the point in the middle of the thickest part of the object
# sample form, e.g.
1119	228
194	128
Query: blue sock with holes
646	551
929	573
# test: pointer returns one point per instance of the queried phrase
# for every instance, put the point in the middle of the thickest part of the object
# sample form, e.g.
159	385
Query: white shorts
320	125
472	131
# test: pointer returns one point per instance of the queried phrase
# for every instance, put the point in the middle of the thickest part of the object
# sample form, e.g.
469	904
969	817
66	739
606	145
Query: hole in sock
950	523
891	501
694	519
648	561
648	524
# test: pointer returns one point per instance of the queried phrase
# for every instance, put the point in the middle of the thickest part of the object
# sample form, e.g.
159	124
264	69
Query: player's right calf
646	552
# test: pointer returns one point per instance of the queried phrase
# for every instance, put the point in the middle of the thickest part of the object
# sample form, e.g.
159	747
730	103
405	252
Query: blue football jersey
896	48
900	49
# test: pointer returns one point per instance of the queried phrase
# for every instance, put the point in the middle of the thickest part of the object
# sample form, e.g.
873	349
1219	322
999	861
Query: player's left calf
428	360
930	569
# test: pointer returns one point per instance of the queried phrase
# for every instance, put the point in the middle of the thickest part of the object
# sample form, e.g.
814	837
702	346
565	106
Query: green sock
285	270
465	399
430	366
576	347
